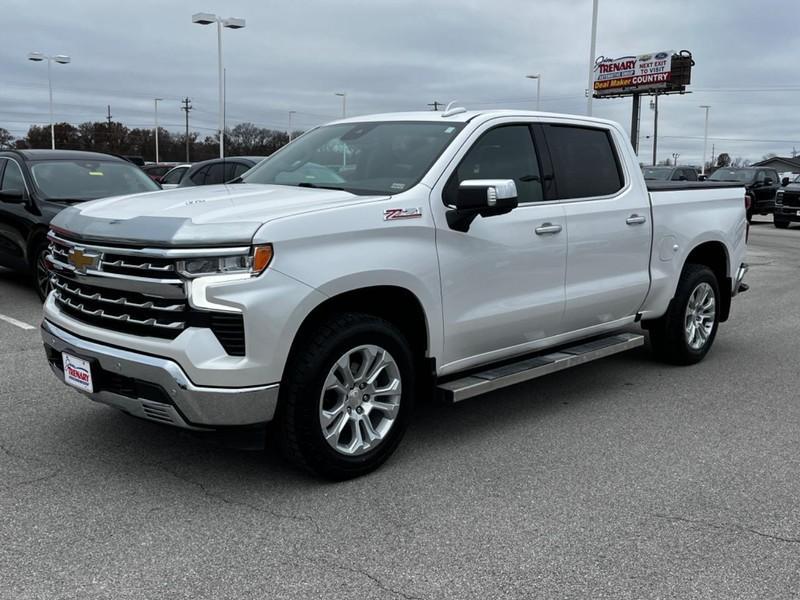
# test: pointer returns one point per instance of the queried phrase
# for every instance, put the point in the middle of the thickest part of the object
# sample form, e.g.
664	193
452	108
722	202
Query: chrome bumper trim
202	407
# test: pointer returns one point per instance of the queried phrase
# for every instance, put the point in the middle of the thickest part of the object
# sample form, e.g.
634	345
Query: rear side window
585	162
216	174
199	176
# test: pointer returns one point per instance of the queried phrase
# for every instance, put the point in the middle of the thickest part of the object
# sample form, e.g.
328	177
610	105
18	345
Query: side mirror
702	177
784	181
12	196
484	197
768	181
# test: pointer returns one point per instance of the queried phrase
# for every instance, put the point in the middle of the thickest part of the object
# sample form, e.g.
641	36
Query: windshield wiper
306	184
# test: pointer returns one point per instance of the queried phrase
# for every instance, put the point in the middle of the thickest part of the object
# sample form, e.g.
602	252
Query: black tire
40	278
298	419
780	224
668	335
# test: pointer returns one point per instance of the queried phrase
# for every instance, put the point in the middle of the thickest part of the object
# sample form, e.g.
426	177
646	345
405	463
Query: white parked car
377	259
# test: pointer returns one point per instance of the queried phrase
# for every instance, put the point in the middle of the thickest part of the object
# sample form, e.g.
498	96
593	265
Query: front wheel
347	396
780	224
40	276
685	334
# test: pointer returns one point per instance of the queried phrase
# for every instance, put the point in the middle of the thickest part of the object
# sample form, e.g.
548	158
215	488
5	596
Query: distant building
782	164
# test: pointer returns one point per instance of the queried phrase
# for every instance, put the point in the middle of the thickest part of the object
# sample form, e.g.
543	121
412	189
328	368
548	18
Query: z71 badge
392	214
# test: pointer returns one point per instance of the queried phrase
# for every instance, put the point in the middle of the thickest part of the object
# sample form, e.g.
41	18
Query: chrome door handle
636	220
546	228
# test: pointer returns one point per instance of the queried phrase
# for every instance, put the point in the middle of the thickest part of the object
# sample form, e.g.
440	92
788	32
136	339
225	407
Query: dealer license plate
77	372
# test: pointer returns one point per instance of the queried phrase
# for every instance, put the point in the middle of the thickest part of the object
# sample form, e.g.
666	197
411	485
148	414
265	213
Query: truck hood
211	215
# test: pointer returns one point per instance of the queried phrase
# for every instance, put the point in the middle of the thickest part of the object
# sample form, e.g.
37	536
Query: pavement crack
222	498
731	527
379	583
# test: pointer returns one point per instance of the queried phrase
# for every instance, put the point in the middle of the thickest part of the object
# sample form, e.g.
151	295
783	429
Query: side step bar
531	368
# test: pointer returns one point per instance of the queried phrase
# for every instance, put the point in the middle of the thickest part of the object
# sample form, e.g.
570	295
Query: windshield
79	180
731	175
363	158
656	174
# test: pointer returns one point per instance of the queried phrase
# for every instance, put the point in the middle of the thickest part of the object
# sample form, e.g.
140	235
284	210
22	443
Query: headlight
252	263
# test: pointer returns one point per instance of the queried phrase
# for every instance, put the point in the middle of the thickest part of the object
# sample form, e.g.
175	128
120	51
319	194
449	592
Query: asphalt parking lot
621	479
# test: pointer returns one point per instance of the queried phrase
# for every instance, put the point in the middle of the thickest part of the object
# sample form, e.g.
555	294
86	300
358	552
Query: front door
502	282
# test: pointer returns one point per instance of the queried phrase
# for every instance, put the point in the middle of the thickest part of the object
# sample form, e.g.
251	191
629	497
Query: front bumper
157	388
787	213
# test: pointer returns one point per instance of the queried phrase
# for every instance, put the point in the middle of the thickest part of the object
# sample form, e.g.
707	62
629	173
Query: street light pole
705	140
291	112
538	78
155	103
61	59
229	23
344	103
592	57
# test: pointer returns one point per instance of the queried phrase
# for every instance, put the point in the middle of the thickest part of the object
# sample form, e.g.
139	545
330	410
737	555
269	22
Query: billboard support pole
635	124
655	132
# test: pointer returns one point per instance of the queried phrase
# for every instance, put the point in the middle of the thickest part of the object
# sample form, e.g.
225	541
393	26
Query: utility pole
291	112
592	58
108	118
713	148
435	105
654	106
155	103
186	107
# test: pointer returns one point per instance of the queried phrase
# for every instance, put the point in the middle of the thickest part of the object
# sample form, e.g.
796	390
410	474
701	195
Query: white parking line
16	323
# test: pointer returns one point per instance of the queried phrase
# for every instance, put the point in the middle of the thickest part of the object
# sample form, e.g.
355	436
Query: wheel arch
396	304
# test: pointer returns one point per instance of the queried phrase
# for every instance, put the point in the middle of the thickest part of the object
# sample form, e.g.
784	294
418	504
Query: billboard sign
633	74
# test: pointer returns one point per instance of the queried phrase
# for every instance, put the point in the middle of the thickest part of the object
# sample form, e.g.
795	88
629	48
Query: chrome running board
537	366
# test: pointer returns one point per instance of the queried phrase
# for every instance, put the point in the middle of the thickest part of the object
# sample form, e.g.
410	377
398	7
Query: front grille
147	309
790	199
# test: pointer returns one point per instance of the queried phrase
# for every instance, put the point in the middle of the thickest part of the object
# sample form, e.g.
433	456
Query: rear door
15	217
608	219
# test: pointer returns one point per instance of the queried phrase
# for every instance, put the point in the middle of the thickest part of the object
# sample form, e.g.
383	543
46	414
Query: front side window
12	178
585	162
79	180
215	174
382	157
506	152
199	176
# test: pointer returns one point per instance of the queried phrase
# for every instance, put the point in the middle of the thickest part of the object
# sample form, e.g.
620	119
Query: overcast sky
390	55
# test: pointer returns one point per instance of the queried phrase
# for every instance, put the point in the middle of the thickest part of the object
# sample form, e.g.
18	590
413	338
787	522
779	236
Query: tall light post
230	23
538	78
291	112
592	58
343	95
155	103
705	140
61	59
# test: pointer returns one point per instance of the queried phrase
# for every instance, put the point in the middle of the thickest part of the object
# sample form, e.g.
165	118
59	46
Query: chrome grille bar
152	252
122	301
151	322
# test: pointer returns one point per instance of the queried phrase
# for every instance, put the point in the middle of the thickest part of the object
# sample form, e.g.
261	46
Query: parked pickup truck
378	259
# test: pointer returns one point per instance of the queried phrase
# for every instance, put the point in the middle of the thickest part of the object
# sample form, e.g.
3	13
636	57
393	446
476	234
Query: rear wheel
347	396
685	334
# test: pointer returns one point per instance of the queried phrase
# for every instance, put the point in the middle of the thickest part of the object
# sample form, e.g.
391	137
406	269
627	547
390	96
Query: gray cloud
399	55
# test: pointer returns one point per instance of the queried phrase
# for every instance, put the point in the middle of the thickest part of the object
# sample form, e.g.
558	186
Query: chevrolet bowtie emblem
81	261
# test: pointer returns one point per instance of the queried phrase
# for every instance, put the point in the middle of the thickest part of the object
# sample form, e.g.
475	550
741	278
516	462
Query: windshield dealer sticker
394	214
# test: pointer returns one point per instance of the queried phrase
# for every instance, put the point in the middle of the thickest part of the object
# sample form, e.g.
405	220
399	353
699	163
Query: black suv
787	204
761	185
35	185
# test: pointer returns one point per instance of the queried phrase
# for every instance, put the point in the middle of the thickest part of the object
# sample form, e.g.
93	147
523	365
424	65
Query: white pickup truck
377	259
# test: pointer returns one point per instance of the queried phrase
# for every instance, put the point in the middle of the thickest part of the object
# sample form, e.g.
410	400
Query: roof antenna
451	110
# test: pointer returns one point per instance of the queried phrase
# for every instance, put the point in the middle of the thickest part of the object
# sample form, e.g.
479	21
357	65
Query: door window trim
21	172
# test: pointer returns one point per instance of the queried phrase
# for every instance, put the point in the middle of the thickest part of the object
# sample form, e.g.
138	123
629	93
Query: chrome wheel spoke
360	400
700	316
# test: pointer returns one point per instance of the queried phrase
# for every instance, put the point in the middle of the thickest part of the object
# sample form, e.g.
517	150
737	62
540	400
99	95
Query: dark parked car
157	170
761	185
37	184
669	173
787	204
219	170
